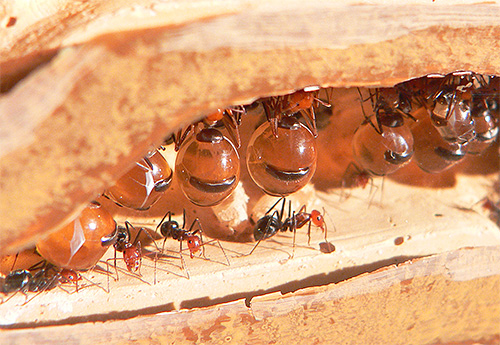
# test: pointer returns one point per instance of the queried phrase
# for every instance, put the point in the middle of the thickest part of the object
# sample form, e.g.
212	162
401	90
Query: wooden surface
112	96
449	298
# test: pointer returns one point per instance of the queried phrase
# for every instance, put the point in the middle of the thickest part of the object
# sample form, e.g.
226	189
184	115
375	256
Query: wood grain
442	299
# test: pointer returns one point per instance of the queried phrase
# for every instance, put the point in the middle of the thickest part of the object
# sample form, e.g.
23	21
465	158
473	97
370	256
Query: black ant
40	277
272	223
194	237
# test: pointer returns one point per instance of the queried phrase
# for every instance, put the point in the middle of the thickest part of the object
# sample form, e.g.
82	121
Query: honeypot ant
302	101
144	184
230	118
170	228
272	223
383	147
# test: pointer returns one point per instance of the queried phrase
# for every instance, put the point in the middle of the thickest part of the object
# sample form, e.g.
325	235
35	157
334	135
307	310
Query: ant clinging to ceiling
302	101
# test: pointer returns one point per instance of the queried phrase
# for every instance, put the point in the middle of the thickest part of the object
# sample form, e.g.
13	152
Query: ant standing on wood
170	229
272	223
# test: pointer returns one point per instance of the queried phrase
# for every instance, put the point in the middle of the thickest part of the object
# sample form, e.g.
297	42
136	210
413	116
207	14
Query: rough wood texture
115	95
443	299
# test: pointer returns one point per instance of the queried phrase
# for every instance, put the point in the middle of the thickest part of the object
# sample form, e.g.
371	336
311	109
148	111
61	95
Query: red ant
303	101
131	251
170	229
270	224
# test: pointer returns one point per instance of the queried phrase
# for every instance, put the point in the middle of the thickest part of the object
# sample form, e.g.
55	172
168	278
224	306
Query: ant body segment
208	164
383	147
144	184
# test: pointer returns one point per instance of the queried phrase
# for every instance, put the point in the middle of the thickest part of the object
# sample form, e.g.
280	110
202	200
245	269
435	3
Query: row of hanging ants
435	119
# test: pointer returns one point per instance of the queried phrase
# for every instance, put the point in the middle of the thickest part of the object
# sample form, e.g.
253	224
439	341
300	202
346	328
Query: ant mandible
272	223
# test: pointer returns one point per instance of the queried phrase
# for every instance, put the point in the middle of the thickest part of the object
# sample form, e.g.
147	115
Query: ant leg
310	117
136	240
224	252
271	116
116	269
309	233
14	263
294	229
274	205
264	234
232	125
325	227
169	214
367	119
183	262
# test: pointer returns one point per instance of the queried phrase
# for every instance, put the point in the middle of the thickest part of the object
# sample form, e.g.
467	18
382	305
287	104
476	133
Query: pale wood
446	298
81	139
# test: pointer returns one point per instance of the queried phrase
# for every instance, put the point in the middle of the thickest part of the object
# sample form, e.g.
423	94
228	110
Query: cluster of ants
435	120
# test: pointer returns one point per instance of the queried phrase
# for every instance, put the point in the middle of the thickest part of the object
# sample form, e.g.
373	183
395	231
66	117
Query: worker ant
485	111
40	277
131	251
272	223
170	228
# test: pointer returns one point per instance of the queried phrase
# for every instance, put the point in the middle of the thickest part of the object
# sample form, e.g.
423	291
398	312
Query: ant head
318	219
122	238
67	275
194	244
